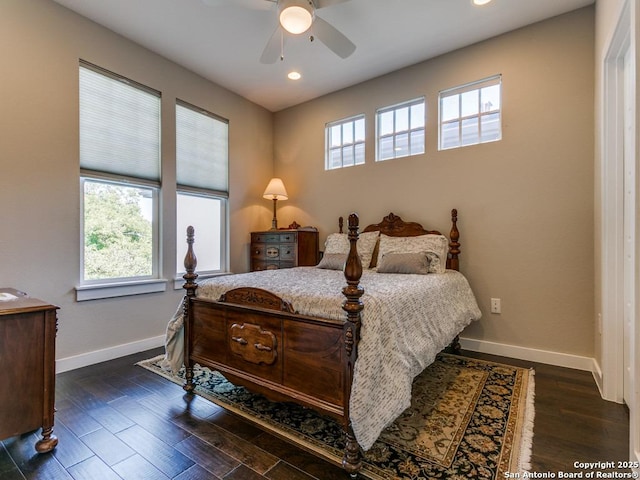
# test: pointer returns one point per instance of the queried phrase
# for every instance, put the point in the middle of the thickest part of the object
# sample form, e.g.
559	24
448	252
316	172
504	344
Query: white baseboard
97	356
531	354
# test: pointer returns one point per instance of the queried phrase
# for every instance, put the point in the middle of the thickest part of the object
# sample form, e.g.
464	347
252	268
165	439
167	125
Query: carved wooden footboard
256	339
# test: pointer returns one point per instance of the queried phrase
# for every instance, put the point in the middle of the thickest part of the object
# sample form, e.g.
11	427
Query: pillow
418	262
333	261
438	244
339	243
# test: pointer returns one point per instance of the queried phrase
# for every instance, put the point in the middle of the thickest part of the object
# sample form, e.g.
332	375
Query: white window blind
119	126
202	149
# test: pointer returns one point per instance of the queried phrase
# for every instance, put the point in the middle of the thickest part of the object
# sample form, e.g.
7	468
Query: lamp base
274	222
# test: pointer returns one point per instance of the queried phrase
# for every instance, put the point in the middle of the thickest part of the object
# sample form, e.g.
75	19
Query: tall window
120	178
400	130
470	114
344	143
202	160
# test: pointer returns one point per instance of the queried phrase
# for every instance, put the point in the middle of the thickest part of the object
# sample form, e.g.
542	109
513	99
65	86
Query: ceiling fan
299	16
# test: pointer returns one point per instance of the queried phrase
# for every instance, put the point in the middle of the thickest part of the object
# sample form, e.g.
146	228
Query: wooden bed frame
256	339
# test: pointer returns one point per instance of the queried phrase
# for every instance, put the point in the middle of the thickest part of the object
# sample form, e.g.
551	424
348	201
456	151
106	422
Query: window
471	114
120	180
400	130
344	143
202	161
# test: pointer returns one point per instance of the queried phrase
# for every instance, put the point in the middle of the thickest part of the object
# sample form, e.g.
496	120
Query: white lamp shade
275	190
296	16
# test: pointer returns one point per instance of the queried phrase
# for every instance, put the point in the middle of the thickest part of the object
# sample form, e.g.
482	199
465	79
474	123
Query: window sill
123	289
178	282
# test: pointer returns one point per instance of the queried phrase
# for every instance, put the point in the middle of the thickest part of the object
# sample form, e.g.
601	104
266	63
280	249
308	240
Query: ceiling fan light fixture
296	16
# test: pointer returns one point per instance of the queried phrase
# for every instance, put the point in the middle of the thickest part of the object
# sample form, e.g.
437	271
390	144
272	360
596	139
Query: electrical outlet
495	305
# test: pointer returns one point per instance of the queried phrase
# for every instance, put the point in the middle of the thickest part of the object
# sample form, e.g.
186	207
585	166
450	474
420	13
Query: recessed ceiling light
480	2
294	76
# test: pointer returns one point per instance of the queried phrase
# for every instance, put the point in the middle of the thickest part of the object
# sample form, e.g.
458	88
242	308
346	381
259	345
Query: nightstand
273	249
27	366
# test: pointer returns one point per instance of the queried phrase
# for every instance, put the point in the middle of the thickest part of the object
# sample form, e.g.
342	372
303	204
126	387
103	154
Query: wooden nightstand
274	249
27	366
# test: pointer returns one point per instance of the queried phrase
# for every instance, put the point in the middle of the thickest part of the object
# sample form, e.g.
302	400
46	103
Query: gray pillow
333	261
418	262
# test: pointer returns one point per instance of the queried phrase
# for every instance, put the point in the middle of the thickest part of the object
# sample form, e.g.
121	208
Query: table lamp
275	191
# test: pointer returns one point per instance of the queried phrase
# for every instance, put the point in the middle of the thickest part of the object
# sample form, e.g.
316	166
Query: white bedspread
406	321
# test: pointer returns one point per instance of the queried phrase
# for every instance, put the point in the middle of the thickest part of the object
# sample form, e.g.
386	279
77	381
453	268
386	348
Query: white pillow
437	244
339	243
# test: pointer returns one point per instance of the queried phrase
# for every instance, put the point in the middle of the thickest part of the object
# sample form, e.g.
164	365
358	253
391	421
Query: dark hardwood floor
116	420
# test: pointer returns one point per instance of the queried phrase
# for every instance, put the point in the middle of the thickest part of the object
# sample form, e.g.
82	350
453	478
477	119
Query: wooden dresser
274	249
27	366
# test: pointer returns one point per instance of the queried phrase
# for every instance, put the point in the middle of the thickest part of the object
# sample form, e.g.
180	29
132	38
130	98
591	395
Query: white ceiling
222	40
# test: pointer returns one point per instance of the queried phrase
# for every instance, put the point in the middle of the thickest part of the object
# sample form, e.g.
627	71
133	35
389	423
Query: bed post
454	245
190	286
352	461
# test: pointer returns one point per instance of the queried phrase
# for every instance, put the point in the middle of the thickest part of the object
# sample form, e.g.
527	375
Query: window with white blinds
202	173
202	149
119	126
120	179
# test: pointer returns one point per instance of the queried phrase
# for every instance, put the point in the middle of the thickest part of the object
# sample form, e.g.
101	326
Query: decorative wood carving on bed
249	333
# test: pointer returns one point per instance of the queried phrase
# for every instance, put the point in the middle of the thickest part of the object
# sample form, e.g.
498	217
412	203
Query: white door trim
612	211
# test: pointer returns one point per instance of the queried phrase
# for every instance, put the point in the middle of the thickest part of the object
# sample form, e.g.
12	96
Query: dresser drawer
275	237
257	265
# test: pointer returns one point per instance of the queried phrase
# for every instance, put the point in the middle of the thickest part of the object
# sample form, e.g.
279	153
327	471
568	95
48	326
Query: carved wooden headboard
394	226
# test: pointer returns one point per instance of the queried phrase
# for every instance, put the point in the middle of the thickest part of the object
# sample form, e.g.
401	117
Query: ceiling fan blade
328	3
273	49
332	38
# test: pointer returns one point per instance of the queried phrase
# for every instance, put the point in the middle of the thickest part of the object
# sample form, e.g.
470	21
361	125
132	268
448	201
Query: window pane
386	148
204	215
450	135
470	133
417	142
491	98
417	116
359	152
118	231
469	103
335	158
450	108
490	127
336	136
360	130
402	119
347	133
402	145
347	156
385	125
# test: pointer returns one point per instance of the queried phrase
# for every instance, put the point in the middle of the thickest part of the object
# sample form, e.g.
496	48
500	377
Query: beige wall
40	45
525	203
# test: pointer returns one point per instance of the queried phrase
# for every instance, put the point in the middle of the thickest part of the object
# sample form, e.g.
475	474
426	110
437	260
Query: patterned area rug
469	419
